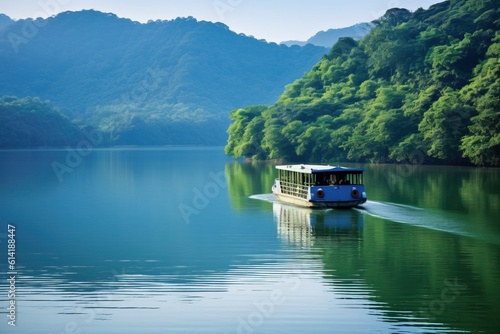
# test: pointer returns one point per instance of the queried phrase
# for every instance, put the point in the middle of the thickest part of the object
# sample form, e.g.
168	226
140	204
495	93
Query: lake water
186	240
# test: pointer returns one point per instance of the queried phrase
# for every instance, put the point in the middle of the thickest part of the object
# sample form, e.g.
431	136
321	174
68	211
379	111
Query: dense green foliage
422	87
30	122
164	82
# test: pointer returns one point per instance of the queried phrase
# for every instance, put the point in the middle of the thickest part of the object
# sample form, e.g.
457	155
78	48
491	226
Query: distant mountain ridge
164	82
5	21
331	36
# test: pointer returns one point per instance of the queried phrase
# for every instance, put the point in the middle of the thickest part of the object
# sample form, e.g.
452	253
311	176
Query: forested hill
30	122
421	87
164	82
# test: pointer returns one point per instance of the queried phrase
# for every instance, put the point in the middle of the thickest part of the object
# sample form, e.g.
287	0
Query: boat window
321	179
353	178
294	183
339	178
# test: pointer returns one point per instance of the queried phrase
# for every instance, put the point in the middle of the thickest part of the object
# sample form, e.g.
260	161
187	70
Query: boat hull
318	204
321	196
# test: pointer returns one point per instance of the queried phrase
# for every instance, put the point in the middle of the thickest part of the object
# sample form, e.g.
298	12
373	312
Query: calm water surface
186	240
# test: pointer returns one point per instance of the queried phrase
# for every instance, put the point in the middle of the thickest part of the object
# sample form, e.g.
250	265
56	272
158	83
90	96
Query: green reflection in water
412	276
460	200
438	270
245	179
467	196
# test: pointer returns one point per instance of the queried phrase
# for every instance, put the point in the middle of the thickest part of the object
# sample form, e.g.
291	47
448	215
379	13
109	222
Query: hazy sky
273	20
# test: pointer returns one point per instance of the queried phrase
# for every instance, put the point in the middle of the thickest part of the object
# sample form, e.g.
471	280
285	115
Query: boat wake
271	198
415	216
425	218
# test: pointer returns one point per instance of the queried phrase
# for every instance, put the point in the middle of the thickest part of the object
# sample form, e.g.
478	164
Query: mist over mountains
164	82
328	38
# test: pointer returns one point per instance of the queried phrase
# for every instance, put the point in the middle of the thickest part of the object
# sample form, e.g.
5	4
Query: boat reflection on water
303	226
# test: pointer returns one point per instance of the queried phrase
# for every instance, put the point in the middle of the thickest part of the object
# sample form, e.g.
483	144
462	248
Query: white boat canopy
313	169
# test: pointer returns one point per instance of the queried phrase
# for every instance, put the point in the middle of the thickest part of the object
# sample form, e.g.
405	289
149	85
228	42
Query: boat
320	186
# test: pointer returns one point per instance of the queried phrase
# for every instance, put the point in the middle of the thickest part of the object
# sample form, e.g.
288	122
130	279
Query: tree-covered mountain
30	122
331	36
164	82
421	87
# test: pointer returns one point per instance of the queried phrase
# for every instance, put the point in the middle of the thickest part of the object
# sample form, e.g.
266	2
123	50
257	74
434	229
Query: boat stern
337	195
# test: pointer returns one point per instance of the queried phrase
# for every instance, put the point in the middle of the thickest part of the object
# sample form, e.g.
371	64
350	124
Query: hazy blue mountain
331	36
164	82
4	21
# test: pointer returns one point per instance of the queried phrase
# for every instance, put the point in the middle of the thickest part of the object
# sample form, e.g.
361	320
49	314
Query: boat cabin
325	185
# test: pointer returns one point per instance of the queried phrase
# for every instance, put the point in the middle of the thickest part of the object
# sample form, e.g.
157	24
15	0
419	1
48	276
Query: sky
272	20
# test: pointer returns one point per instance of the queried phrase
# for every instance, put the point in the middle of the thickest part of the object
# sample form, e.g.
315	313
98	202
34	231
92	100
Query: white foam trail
271	198
415	216
431	219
